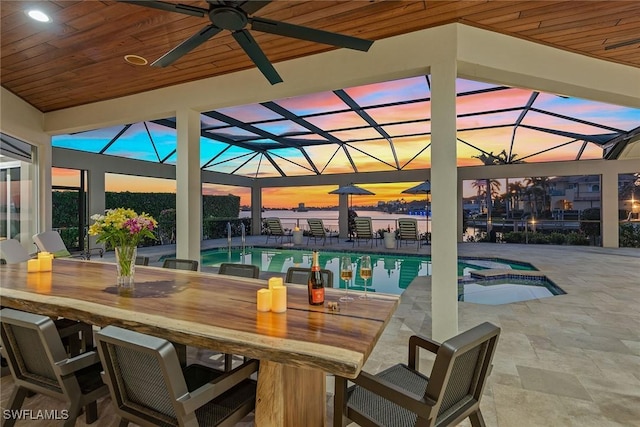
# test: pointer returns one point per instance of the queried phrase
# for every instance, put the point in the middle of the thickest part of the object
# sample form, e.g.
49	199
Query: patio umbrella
352	189
424	188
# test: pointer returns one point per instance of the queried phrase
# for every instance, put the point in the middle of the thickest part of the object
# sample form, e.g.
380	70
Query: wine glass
346	274
365	273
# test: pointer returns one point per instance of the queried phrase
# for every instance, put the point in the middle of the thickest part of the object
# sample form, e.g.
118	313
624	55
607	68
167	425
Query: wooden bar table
217	312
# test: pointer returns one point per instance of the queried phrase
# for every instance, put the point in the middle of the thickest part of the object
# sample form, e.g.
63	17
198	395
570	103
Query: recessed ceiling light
135	60
38	15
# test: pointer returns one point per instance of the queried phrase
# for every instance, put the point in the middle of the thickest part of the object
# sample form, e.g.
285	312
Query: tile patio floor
571	360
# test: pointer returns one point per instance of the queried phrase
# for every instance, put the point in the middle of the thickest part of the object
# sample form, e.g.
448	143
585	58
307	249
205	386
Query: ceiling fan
234	15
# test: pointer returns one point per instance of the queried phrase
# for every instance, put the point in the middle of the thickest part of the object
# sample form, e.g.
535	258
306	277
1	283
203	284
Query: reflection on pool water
392	273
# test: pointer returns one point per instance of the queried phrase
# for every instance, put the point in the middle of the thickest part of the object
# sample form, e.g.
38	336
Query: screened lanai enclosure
378	127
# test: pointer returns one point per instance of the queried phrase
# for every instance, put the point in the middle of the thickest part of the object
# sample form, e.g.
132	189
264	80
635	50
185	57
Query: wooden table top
206	310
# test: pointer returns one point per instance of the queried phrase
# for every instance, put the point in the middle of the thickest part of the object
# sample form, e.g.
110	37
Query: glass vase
126	265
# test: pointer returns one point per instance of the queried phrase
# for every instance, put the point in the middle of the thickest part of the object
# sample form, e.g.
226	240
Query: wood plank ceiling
78	58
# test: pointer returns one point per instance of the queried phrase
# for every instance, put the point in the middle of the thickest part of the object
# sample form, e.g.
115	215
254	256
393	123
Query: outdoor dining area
307	354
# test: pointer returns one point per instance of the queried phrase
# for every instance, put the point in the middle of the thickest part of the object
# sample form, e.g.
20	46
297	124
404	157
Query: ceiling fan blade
186	46
248	43
310	34
252	6
171	7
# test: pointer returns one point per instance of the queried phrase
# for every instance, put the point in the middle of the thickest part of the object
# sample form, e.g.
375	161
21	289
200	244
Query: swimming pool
392	273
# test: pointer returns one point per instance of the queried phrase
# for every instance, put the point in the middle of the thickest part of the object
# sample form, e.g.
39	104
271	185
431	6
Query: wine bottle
316	285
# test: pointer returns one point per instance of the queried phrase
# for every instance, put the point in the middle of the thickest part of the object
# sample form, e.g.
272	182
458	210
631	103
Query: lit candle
33	266
275	281
264	300
44	255
46	262
279	299
296	229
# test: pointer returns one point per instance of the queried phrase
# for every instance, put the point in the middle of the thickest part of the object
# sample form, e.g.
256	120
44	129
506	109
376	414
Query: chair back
460	370
50	241
239	270
12	251
33	346
364	229
316	227
408	229
143	374
180	264
300	276
142	260
275	226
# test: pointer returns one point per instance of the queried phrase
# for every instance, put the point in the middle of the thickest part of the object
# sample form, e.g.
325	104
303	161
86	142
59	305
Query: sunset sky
485	124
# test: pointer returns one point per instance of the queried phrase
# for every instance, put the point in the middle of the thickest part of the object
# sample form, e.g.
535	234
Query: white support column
444	192
188	185
256	210
460	211
95	196
609	211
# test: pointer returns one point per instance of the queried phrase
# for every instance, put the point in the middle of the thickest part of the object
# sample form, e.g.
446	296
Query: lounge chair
276	231
12	252
50	241
318	231
403	396
364	230
408	232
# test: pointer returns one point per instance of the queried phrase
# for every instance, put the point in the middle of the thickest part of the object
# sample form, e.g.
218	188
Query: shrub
577	239
538	238
513	237
557	238
629	236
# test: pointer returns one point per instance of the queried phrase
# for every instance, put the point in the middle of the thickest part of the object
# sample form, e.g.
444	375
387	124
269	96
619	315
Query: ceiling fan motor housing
228	18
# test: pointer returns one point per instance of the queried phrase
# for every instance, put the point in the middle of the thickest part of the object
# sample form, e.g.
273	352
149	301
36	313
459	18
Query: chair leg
15	402
91	412
123	423
74	410
476	419
228	362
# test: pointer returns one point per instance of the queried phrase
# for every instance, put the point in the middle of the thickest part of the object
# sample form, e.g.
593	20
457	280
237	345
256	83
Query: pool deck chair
408	232
149	388
318	231
39	364
364	230
12	252
50	241
276	231
403	396
300	276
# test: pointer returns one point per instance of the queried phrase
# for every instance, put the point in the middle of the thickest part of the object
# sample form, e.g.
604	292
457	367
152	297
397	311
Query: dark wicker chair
39	364
402	396
239	270
180	264
144	260
148	386
300	276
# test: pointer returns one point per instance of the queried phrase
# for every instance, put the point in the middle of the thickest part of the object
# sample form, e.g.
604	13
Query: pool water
392	273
